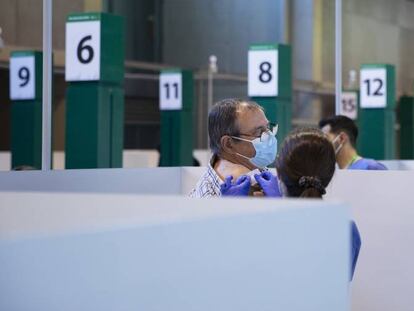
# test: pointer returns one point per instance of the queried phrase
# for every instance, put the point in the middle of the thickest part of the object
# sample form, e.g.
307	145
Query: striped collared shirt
209	184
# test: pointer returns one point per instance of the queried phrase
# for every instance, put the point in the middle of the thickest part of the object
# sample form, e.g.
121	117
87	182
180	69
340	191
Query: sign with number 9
22	77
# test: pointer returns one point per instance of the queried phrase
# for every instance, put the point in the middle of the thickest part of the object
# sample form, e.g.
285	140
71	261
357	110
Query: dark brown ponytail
306	163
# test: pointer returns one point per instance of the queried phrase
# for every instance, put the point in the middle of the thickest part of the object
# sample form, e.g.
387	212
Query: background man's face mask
339	147
265	147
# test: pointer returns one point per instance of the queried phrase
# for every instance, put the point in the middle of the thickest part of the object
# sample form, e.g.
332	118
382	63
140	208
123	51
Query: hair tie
312	182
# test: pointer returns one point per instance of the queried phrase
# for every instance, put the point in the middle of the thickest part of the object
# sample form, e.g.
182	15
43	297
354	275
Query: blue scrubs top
366	164
355	247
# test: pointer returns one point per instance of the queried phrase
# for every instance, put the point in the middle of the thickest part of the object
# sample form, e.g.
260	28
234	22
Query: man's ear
227	144
344	138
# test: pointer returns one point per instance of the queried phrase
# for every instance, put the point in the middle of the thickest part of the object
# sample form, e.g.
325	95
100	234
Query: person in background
241	139
305	166
343	133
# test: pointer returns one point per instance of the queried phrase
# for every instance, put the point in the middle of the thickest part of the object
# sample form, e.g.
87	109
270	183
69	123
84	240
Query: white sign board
170	91
349	105
373	86
83	50
22	77
263	73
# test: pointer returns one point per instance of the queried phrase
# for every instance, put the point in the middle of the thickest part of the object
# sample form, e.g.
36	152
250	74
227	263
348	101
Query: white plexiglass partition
383	208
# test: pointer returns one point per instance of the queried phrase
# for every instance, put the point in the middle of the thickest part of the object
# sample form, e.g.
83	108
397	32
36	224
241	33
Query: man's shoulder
368	164
375	165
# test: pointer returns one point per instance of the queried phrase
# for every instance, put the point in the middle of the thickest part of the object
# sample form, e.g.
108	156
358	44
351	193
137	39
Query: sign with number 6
83	49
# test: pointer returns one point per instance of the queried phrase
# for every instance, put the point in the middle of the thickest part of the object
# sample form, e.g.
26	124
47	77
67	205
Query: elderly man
241	140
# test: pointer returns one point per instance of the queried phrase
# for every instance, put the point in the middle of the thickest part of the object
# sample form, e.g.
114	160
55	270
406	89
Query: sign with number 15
349	105
83	48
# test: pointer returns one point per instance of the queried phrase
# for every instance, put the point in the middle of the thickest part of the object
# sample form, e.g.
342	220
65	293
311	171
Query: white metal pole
338	55
47	86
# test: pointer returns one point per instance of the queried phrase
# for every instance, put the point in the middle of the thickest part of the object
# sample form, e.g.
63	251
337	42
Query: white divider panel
403	165
383	207
136	181
190	177
106	252
381	203
131	159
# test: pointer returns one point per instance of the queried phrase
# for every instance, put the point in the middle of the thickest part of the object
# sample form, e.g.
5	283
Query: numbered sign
83	48
22	77
373	88
349	105
171	91
263	72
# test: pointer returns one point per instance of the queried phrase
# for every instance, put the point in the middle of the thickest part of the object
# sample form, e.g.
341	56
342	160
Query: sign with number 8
262	71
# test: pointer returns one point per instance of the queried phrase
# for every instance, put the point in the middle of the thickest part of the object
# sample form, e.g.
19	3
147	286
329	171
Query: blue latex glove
268	182
240	188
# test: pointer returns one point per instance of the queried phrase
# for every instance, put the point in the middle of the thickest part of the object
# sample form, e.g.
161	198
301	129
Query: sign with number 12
373	86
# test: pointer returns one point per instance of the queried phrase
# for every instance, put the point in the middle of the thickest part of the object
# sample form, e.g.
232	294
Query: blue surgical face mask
265	147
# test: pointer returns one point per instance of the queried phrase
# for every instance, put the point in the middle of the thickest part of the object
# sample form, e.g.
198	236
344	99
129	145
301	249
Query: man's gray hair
222	120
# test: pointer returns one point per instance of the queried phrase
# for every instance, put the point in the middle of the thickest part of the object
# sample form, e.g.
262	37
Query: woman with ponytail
305	167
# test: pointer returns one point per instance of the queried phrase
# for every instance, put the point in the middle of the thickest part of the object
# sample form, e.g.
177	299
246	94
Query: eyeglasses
271	128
